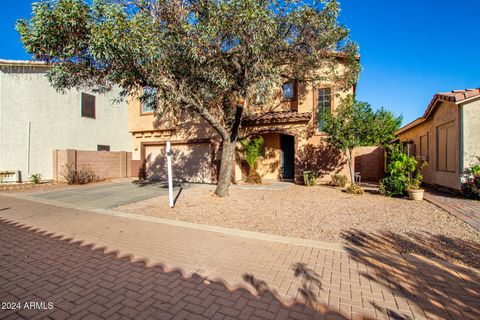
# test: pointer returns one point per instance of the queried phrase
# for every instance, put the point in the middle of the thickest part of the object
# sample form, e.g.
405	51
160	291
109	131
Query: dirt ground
327	214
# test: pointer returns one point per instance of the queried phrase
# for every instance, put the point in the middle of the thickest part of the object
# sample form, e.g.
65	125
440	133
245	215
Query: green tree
252	149
355	124
210	58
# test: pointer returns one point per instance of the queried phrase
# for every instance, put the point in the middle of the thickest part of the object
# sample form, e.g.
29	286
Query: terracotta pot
416	195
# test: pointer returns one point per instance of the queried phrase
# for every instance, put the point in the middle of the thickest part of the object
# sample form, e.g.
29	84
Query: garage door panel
190	162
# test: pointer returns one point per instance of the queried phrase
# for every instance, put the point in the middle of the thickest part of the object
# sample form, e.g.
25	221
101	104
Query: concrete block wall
105	164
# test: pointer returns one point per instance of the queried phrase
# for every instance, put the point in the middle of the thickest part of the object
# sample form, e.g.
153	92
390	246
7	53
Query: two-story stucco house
36	119
290	127
447	136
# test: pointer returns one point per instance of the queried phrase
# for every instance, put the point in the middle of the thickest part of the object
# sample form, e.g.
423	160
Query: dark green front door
288	156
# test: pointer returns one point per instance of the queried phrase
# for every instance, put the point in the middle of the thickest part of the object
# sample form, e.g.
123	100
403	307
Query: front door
288	156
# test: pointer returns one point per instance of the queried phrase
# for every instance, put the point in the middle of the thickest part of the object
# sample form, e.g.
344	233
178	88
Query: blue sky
410	49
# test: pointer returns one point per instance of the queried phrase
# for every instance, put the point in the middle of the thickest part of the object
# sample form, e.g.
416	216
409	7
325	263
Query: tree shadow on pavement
425	288
83	281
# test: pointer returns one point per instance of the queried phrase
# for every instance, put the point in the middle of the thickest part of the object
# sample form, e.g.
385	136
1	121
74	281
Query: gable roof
455	96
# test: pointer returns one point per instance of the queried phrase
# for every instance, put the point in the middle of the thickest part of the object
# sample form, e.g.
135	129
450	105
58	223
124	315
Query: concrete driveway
109	195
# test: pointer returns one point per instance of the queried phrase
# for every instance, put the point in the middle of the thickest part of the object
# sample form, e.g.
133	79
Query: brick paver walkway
84	263
465	209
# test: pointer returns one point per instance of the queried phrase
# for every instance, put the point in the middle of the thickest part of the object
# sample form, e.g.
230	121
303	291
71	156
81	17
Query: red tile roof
455	96
277	117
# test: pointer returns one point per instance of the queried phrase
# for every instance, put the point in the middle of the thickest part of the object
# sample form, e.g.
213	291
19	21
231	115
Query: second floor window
324	105
288	91
88	105
149	99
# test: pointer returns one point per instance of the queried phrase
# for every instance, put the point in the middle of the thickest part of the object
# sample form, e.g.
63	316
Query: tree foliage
209	58
355	124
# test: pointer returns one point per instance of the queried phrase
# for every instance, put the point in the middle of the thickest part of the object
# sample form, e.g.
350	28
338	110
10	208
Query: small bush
309	178
82	176
354	189
35	178
400	168
471	186
253	177
339	180
393	186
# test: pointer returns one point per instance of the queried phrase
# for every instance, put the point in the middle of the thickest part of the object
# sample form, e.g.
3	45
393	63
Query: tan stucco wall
446	112
270	164
471	133
310	150
56	121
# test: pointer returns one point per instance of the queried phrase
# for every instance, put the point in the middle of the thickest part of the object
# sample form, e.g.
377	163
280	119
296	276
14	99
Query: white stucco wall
471	133
56	121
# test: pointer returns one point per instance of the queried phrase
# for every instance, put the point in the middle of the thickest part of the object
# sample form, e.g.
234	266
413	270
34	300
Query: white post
169	172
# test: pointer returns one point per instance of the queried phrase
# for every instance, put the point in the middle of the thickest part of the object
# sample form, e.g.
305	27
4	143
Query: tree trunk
228	152
350	163
225	174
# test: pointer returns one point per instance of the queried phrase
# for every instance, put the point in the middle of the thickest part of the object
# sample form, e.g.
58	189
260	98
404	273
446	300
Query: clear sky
410	49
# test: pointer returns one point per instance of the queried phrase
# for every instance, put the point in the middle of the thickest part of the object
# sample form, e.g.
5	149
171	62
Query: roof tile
277	117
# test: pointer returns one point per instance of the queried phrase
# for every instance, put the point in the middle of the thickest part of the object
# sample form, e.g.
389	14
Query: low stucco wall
370	162
105	164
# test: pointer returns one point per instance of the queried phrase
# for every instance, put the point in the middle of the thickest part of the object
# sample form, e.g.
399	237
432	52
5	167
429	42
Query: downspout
28	148
462	142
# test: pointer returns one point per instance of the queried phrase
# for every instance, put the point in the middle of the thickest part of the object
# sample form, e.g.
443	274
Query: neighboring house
290	127
35	119
447	136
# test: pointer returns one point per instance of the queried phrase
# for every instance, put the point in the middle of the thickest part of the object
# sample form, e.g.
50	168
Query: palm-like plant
252	149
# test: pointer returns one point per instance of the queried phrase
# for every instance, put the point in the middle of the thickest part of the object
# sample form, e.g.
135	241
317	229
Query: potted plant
414	189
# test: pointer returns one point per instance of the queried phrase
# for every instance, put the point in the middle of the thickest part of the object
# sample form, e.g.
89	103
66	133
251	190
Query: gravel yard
327	214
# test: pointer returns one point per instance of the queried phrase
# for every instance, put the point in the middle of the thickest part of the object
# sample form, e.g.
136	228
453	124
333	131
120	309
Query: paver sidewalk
73	258
465	209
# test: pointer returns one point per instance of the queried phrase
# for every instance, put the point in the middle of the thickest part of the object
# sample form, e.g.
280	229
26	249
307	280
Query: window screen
88	105
324	105
149	99
288	91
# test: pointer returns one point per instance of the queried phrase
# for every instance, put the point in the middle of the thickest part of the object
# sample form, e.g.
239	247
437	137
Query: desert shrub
35	178
82	176
309	178
339	180
471	185
354	189
252	149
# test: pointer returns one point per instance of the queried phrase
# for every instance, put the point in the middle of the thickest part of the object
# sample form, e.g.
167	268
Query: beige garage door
190	162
